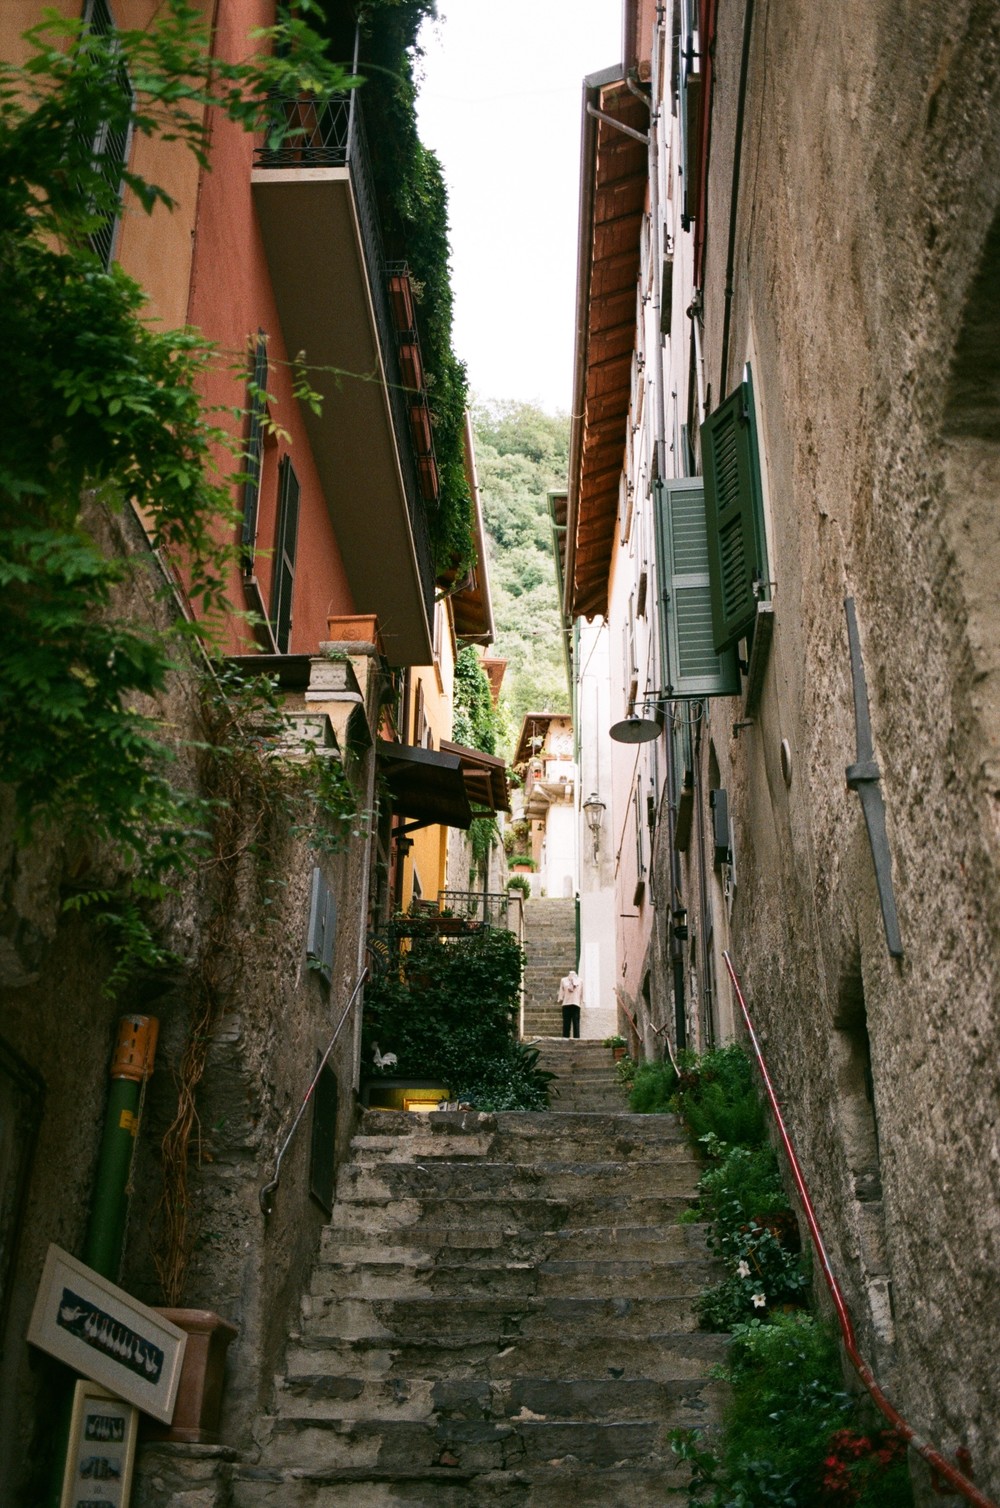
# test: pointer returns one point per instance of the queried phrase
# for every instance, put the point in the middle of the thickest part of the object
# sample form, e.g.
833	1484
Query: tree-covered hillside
520	453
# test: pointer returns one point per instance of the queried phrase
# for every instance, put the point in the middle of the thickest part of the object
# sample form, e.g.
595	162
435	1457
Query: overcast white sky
500	103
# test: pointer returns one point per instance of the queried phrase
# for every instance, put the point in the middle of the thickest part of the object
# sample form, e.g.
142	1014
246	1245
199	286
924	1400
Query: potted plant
617	1044
520	882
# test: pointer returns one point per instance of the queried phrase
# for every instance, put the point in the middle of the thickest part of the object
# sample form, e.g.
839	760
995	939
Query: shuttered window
737	555
112	140
254	459
691	666
284	555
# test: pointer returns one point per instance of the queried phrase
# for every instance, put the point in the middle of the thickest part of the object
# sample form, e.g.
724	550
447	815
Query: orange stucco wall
231	298
203	264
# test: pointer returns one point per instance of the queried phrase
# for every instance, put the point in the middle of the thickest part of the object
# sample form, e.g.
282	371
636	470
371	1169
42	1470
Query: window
113	137
737	553
689	662
689	107
284	555
257	404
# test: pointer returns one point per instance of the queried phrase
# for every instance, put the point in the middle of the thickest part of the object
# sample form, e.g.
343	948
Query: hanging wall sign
103	1332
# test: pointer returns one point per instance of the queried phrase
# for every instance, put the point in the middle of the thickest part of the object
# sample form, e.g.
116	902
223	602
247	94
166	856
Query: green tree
521	453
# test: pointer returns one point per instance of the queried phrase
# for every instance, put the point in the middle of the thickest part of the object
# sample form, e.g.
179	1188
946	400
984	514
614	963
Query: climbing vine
105	414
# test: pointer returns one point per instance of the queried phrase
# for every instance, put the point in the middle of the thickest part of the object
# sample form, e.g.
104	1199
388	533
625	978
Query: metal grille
473	905
307	133
110	146
330	133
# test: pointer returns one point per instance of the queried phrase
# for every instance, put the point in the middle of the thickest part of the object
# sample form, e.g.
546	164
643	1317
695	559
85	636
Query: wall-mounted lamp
680	918
637	730
593	810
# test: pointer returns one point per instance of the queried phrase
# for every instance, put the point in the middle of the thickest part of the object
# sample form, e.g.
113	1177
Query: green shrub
792	1434
449	1011
716	1095
652	1088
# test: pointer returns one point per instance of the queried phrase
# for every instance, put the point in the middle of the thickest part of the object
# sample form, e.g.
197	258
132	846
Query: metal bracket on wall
863	776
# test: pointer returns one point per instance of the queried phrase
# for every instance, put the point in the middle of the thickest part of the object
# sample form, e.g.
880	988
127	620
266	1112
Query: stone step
320	1396
379	1183
478	1444
514	1215
559	1486
483	1317
524	1134
659	1356
428	1243
587	1277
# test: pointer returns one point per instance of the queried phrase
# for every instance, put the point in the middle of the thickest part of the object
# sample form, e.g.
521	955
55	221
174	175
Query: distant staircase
550	952
585	1076
501	1315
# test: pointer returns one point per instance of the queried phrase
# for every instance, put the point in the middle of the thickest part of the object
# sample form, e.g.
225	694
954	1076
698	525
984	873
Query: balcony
319	225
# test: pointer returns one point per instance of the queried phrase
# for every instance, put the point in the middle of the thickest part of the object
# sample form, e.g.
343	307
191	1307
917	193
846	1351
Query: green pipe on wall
132	1062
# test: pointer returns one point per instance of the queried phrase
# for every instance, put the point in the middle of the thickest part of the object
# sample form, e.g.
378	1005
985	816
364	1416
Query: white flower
743	1269
759	1300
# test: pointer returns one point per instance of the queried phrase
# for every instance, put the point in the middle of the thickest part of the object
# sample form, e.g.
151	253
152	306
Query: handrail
264	1197
939	1465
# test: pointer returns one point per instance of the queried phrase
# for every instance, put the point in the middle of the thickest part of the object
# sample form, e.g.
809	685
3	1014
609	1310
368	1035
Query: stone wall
866	300
277	1017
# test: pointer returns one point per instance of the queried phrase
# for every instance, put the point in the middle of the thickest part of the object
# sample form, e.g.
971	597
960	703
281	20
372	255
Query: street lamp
593	810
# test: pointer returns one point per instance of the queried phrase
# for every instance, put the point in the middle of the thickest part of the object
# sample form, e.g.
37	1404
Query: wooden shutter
737	557
690	664
284	556
254	453
322	926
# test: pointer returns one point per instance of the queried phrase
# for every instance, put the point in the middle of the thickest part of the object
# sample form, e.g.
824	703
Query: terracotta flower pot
199	1396
355	628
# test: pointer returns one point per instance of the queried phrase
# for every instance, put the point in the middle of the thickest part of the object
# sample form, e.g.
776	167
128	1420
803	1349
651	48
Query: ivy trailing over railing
413	202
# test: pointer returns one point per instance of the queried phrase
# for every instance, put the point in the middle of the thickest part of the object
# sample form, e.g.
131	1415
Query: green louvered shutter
692	667
253	459
737	557
284	556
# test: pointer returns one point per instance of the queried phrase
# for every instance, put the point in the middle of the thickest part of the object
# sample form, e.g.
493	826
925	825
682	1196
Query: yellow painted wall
429	853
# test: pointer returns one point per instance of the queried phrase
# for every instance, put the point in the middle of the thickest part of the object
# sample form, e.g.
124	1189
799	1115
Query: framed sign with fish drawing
103	1332
101	1453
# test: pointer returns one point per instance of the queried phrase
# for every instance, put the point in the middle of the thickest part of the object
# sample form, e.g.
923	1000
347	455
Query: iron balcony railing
319	133
489	908
939	1465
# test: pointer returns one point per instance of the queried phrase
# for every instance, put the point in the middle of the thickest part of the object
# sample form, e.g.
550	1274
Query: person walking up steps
570	990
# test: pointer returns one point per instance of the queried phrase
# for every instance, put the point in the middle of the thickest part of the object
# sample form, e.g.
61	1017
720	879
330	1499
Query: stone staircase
501	1315
550	952
585	1076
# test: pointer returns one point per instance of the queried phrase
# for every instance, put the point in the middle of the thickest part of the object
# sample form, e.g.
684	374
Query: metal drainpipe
734	196
676	951
706	976
131	1064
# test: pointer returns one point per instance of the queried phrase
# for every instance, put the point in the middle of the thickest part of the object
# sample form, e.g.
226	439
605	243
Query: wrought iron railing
330	132
940	1466
489	908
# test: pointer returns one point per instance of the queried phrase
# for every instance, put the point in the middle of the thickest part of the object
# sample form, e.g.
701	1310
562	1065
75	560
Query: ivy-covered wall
413	204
